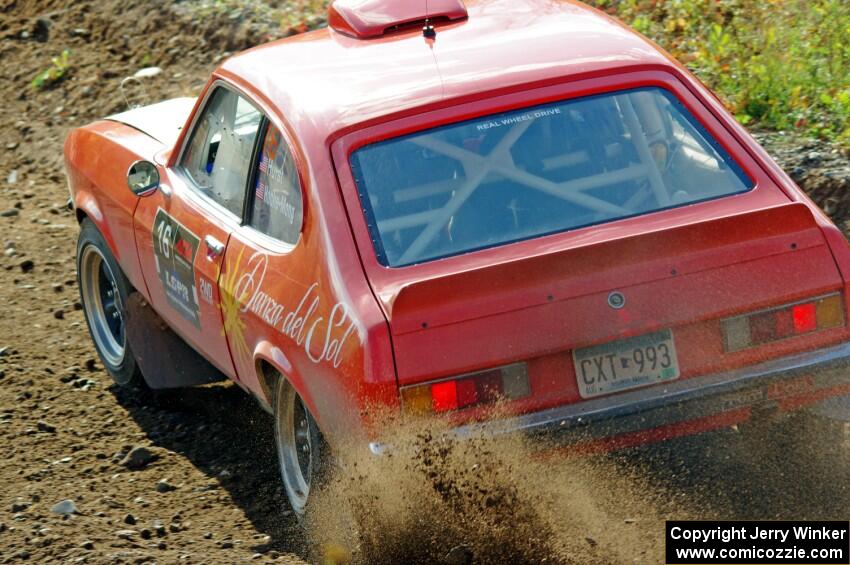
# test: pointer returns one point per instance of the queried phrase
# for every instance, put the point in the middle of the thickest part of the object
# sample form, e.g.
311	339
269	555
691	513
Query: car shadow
794	470
237	449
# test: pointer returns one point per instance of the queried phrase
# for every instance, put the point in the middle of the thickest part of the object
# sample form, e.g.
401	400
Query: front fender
97	158
86	206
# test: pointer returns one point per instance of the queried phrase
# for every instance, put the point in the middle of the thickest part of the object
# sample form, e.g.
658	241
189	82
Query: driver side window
218	157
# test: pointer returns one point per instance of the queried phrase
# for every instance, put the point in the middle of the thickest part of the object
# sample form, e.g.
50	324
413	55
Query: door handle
214	246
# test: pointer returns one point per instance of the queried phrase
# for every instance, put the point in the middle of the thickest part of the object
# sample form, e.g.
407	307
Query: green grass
58	70
778	64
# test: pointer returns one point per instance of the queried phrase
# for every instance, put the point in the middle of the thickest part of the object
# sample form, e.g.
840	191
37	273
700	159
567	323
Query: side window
218	157
278	208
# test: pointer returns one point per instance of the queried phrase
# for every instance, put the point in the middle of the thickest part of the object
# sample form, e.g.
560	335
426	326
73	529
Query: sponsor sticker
175	248
322	335
516	119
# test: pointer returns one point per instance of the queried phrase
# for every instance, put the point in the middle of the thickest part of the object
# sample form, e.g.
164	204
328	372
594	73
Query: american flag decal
264	164
261	190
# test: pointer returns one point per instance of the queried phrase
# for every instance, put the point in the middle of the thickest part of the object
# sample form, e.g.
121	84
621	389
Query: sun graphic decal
231	308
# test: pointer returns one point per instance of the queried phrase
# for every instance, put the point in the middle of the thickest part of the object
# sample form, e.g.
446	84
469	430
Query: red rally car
428	212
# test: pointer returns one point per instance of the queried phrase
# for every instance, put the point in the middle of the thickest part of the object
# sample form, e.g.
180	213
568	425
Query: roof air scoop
373	18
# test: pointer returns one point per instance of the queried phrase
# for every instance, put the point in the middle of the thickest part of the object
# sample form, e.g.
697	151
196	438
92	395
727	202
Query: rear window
537	171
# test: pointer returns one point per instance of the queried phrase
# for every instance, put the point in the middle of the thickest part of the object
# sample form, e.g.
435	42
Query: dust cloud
436	499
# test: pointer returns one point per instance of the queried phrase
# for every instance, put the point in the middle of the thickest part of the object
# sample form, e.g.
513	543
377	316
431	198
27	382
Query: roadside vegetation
778	64
56	72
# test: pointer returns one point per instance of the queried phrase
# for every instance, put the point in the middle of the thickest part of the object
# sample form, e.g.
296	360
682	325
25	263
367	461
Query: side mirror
142	178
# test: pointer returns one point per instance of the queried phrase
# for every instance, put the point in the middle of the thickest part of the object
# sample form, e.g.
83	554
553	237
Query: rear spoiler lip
405	313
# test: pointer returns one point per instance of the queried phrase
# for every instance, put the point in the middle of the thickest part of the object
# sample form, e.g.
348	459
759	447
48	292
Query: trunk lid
556	301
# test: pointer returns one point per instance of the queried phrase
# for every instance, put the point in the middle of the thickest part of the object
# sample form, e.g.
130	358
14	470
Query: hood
162	121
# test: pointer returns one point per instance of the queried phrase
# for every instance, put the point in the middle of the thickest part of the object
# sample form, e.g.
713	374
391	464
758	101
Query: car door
182	230
268	283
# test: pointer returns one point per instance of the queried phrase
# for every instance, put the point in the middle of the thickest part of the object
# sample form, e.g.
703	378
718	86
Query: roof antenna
428	31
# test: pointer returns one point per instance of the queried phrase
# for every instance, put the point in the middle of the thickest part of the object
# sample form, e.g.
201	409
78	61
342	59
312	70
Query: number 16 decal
174	249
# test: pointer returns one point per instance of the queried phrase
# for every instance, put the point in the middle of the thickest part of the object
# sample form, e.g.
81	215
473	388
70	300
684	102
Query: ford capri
429	209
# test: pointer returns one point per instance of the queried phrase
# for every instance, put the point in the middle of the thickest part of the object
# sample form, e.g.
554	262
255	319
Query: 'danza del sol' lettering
321	337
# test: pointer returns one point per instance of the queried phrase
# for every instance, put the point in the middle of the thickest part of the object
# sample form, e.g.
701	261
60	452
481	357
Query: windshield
537	171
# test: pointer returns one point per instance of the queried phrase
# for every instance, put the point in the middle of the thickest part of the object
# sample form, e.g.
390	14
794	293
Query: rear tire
300	447
104	290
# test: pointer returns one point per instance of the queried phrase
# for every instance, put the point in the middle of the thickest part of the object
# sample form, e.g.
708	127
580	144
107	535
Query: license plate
626	364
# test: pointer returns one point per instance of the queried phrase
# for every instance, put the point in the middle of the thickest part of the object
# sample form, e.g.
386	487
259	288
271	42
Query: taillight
476	389
791	320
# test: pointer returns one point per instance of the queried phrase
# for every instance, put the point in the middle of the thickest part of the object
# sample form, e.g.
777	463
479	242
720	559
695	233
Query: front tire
299	447
104	290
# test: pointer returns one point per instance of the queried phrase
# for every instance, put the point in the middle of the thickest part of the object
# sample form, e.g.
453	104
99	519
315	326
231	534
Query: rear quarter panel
97	158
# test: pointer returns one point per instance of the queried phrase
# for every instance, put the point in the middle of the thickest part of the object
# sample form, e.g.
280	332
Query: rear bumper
683	407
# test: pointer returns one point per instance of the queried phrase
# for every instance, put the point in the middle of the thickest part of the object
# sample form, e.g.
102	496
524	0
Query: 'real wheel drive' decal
174	248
